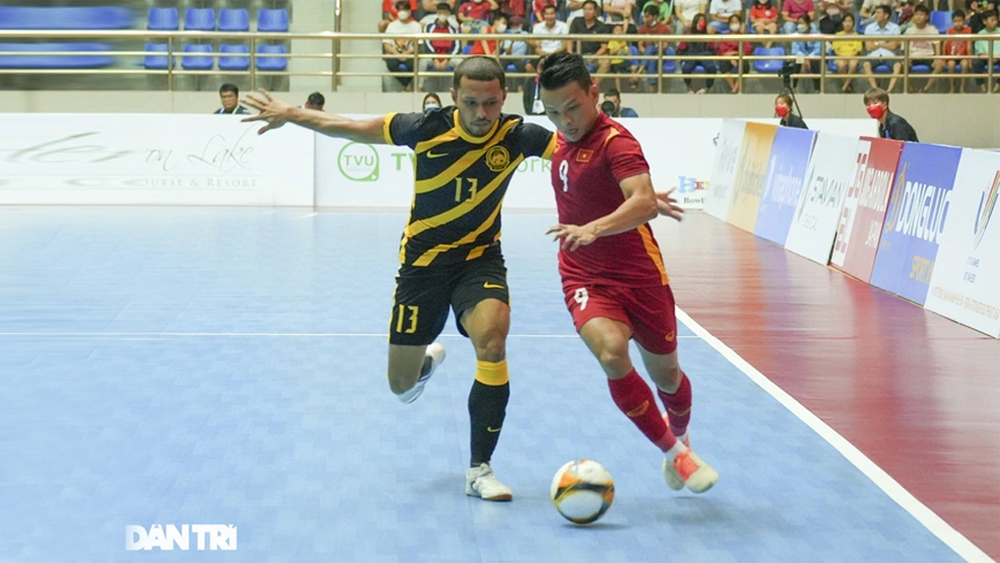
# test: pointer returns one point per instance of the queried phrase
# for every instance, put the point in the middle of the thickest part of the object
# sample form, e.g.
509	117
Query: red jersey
586	177
475	11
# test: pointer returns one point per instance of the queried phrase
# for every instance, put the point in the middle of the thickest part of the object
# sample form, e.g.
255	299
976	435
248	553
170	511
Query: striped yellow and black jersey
461	181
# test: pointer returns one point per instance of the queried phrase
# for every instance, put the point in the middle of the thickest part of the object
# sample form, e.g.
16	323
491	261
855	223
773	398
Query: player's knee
614	357
491	347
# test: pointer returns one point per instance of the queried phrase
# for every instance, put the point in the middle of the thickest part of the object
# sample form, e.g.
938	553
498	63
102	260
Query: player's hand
272	110
668	206
572	236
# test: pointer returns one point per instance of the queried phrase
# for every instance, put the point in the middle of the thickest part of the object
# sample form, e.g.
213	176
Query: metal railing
336	57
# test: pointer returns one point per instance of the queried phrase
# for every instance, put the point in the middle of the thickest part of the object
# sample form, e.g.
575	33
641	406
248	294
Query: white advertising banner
965	283
152	159
818	213
723	171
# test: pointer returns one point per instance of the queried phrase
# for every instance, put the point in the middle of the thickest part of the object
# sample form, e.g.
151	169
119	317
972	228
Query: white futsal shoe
483	483
436	354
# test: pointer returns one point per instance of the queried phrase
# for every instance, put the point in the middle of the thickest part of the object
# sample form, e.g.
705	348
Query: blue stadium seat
238	63
199	19
231	19
919	69
768	66
272	20
191	62
882	68
941	19
163	19
670	66
156	62
272	63
55	60
100	17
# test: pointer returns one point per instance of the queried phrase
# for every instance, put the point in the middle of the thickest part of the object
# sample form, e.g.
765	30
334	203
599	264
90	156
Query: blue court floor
227	366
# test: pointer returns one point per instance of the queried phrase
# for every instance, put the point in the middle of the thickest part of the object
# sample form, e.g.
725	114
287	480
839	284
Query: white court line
115	335
934	523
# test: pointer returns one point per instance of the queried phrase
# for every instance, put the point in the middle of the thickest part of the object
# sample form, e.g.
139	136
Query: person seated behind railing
229	95
921	52
979	7
764	18
695	49
589	24
831	14
402	49
732	49
719	12
618	10
792	10
538	9
959	50
623	63
807	51
514	25
549	26
684	12
847	48
390	13
867	13
881	48
651	25
982	47
477	12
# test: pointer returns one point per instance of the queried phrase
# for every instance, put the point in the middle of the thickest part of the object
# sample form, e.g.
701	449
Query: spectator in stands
663	9
696	49
401	49
432	102
982	49
721	10
533	92
868	10
590	25
229	95
921	52
390	13
550	26
430	6
477	12
808	52
513	47
890	125
651	25
792	10
783	109
538	9
732	49
576	9
979	8
513	8
315	101
881	48
615	97
847	48
618	10
482	47
958	50
764	18
622	63
684	12
831	15
447	48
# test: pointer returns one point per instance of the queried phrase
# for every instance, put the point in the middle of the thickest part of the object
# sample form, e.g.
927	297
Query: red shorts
648	311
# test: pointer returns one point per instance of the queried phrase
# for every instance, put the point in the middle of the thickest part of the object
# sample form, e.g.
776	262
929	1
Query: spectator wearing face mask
390	13
890	125
694	50
513	26
783	109
402	49
431	102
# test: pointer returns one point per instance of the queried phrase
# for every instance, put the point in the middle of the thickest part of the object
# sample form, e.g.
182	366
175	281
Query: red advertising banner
861	218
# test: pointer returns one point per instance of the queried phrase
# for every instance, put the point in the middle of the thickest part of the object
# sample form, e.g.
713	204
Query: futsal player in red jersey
612	272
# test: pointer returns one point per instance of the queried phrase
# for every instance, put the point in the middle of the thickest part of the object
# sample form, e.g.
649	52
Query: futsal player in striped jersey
450	251
613	277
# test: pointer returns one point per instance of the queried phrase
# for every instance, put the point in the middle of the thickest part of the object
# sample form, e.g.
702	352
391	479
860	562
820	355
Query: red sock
634	398
678	406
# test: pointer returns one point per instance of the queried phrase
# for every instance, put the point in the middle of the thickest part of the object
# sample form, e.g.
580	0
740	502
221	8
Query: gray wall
973	120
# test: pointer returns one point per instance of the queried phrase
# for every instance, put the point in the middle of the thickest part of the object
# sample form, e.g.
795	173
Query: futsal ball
582	491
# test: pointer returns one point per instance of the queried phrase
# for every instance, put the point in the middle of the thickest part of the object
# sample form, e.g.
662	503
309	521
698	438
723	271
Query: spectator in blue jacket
809	50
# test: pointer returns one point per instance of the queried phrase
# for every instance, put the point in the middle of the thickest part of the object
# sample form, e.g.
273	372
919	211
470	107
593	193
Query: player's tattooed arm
276	113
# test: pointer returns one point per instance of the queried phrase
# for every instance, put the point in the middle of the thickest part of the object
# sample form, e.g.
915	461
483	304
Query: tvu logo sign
213	537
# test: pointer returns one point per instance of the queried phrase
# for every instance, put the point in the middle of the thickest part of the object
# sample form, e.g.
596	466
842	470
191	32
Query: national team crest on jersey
497	158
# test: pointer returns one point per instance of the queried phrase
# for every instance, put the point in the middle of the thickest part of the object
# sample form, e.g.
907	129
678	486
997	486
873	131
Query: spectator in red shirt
957	49
513	7
482	47
764	18
792	10
732	49
651	25
446	47
389	13
476	11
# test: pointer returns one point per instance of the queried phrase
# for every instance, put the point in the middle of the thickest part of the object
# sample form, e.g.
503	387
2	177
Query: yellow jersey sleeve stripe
431	254
446	137
417	227
551	148
611	135
386	131
445	178
653	252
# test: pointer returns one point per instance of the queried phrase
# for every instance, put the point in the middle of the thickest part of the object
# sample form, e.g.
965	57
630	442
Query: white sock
682	437
677	449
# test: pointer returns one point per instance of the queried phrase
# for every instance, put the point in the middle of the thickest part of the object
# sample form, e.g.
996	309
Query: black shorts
424	295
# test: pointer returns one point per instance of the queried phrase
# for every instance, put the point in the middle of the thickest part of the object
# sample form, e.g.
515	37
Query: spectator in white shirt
403	49
922	51
719	13
684	12
551	26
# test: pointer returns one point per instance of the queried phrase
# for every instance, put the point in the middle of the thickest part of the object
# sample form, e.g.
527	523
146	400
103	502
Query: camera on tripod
786	72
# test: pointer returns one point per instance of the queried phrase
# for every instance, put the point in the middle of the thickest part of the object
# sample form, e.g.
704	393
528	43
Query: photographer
613	101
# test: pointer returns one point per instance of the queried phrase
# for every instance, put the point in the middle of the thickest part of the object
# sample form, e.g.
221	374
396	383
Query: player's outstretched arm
276	113
640	207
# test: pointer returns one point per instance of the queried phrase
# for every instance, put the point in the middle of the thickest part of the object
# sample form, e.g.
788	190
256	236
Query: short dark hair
591	2
959	13
547	7
803	17
316	99
443	7
501	16
922	8
402	5
877	95
786	97
989	14
849	15
885	8
563	68
480	69
227	87
651	10
612	93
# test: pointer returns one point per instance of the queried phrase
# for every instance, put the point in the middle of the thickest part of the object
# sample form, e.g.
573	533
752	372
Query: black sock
487	408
